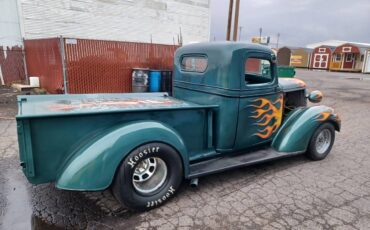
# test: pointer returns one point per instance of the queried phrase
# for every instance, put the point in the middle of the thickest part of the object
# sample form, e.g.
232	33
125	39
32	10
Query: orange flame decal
324	115
269	115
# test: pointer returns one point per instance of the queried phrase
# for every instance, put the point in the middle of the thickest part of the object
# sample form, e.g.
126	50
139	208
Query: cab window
194	63
257	71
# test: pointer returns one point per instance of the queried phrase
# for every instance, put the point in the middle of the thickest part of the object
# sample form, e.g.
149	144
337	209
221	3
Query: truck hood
291	84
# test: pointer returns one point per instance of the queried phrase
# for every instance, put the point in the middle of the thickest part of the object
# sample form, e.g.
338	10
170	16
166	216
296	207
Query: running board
228	162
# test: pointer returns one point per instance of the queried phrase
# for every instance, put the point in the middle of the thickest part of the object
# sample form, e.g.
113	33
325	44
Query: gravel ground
8	102
293	193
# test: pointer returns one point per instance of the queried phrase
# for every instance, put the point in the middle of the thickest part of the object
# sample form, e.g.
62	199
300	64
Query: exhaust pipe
194	182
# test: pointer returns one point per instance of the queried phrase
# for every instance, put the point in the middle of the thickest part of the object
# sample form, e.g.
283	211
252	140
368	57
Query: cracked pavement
291	193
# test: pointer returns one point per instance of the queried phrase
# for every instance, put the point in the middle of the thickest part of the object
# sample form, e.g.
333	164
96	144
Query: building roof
293	48
335	43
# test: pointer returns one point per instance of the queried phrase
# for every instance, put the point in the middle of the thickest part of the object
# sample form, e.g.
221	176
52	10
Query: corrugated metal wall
11	65
43	59
95	66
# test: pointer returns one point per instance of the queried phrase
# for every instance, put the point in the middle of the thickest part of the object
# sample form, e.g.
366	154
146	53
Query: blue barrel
155	81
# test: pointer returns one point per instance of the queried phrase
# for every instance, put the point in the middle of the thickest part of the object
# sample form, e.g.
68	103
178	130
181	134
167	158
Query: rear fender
298	128
93	166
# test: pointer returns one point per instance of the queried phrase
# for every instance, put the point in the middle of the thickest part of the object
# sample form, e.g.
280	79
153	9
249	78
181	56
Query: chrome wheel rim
323	141
149	175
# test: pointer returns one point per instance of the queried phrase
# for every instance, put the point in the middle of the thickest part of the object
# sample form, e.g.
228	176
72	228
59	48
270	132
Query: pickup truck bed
52	128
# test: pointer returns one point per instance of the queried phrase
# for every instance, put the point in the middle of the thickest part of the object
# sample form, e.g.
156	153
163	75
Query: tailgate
25	148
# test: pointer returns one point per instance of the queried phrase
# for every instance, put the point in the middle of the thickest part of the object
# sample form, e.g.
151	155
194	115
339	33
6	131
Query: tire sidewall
134	199
312	150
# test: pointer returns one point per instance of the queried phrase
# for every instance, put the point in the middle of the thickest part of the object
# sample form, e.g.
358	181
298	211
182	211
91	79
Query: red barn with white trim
348	57
320	57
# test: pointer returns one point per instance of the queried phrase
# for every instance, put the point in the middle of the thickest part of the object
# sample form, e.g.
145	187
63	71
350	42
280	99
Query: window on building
362	58
349	57
322	50
337	57
257	71
194	63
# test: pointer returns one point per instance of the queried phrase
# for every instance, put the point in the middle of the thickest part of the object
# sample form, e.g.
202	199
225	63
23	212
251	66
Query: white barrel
35	81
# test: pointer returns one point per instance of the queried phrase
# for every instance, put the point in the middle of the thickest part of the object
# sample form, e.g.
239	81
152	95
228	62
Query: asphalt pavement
292	193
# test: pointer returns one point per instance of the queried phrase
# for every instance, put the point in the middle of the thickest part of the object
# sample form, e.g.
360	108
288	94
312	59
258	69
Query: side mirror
273	58
315	96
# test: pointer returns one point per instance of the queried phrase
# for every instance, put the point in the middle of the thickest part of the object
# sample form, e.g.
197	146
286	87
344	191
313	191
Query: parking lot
290	193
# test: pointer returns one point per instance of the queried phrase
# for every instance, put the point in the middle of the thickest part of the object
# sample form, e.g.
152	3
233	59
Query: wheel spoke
149	175
323	141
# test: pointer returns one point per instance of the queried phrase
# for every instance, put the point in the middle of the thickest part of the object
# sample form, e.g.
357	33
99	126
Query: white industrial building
157	21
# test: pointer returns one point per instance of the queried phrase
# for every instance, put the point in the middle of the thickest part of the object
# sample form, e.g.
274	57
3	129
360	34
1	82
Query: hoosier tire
148	177
321	142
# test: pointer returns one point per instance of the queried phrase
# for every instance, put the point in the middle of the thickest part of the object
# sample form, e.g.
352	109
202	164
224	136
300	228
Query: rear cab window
194	63
257	71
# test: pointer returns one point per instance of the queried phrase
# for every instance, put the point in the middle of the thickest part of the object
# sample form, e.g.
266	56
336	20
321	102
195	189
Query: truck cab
241	79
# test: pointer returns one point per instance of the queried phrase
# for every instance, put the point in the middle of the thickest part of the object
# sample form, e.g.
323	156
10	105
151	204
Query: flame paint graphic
269	115
323	116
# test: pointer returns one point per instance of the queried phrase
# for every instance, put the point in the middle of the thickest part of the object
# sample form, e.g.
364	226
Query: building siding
120	20
11	55
10	33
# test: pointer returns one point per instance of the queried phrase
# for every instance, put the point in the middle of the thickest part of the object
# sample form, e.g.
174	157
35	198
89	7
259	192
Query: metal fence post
27	78
63	56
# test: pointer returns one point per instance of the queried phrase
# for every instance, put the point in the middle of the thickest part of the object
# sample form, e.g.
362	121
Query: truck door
261	101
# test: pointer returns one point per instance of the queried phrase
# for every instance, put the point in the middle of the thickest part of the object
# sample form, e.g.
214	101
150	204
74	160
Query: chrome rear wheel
149	175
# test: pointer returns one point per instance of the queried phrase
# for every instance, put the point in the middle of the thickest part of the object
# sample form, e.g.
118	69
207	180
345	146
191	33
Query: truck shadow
233	180
58	209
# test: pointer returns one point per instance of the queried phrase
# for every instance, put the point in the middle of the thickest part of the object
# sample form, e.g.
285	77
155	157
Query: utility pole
260	34
240	32
229	20
277	42
236	20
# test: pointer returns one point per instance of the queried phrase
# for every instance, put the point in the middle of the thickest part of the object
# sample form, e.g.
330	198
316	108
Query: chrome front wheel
323	141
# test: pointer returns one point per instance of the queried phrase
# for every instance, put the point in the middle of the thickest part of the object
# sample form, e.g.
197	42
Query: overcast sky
299	22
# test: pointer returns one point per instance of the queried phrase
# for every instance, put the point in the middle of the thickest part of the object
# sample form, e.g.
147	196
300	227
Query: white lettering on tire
135	159
159	201
132	163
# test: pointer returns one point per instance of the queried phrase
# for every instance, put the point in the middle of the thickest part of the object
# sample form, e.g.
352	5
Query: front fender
93	166
298	128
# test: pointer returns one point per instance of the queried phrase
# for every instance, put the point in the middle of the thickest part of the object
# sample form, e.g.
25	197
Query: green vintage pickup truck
229	110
